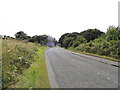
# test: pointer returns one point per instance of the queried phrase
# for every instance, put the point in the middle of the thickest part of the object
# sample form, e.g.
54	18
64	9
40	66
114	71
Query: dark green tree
21	35
42	39
91	34
67	35
62	38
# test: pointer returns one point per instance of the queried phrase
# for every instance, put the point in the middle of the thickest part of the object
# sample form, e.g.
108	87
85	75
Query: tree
68	41
62	38
42	39
33	39
91	34
21	35
74	39
113	33
68	35
6	37
78	41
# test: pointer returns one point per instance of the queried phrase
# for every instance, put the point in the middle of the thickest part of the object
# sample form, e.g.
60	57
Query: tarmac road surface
67	70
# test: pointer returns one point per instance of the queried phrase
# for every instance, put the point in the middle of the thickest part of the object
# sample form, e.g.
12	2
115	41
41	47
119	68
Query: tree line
94	41
41	39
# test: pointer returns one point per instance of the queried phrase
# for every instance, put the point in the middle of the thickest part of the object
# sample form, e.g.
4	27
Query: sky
56	17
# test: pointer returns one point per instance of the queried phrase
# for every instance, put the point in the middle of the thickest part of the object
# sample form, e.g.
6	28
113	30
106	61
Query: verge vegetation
94	42
36	75
23	61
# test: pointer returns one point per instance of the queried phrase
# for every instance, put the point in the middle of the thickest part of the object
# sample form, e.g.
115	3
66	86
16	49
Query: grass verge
106	57
36	76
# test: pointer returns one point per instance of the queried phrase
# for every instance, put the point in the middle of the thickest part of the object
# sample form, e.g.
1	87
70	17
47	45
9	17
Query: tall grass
36	76
18	56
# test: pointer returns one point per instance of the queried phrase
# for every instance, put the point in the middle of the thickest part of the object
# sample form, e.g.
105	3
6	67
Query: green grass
36	76
106	57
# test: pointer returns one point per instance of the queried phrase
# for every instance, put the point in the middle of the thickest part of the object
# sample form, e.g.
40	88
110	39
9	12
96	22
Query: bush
112	34
78	41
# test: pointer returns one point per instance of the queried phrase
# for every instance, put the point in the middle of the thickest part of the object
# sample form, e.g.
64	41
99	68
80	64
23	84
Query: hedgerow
104	44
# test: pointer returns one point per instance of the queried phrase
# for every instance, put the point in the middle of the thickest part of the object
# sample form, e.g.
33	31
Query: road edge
106	61
51	76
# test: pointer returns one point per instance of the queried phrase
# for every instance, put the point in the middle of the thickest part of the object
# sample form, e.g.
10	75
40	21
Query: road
73	71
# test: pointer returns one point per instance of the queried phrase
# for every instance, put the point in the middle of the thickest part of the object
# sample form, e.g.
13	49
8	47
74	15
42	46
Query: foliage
21	35
68	39
91	34
78	41
71	36
17	56
104	48
68	42
7	37
42	39
36	75
94	41
112	34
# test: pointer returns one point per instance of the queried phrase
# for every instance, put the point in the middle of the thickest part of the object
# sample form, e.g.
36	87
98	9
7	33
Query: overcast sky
56	17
